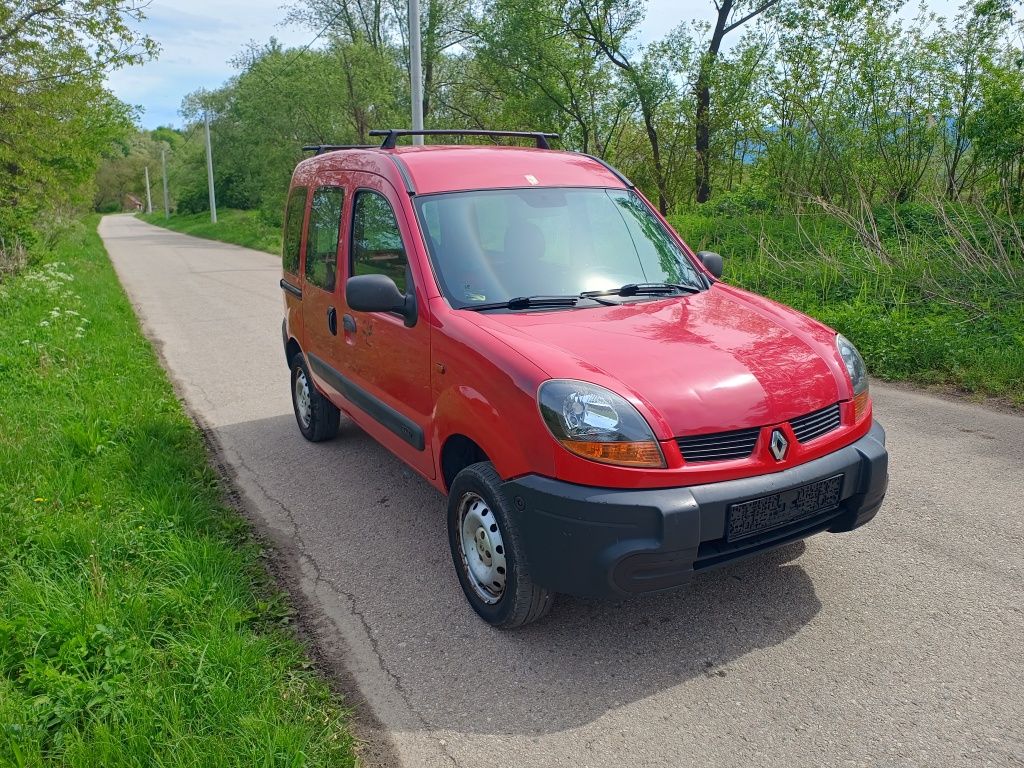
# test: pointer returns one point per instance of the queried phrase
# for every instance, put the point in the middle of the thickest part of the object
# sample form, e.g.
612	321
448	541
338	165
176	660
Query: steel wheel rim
303	405
482	549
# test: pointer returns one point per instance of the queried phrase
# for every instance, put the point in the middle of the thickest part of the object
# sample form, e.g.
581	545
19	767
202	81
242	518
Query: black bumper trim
615	542
399	423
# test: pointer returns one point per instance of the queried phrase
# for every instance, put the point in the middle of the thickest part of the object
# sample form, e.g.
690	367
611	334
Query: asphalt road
899	644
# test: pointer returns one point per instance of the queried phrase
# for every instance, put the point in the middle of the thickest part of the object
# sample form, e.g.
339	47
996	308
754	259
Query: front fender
514	439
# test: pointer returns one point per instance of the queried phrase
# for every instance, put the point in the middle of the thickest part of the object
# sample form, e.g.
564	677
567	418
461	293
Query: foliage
56	117
997	127
844	100
137	625
277	104
122	169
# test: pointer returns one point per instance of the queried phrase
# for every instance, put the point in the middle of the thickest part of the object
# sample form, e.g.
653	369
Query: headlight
857	371
597	424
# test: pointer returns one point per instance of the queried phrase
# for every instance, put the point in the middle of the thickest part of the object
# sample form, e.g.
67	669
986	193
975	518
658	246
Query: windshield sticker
532	179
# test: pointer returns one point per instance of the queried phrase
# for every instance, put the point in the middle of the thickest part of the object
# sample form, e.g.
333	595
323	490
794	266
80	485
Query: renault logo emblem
778	444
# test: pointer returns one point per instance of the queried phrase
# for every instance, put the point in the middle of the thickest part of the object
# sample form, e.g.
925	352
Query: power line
295	56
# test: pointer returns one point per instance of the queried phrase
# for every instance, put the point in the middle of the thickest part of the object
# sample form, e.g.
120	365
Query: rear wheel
486	551
317	417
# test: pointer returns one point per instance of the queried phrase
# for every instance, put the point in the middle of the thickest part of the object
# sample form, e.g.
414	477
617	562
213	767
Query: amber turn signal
640	454
860	405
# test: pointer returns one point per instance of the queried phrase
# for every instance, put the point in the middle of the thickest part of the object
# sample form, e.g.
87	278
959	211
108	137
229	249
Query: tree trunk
659	169
702	140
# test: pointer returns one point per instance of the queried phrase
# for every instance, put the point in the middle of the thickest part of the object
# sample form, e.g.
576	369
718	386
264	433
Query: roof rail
614	171
321	148
391	135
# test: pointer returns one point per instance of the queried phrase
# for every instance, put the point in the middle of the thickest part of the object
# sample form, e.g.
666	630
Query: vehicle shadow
377	535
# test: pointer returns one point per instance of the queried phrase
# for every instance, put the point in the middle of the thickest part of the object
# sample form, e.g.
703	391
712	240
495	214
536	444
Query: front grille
720	446
816	424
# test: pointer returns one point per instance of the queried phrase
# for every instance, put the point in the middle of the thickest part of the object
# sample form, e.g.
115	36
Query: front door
387	362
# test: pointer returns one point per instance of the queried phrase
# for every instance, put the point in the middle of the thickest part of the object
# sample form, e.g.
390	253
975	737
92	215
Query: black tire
520	600
324	417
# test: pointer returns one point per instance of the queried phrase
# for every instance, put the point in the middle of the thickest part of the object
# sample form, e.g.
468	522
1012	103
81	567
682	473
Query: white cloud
197	39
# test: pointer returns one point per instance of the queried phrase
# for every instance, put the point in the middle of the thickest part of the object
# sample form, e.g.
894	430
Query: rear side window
322	241
293	229
377	247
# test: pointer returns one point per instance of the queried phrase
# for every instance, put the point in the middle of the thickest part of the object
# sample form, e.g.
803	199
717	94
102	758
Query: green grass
246	228
137	624
921	311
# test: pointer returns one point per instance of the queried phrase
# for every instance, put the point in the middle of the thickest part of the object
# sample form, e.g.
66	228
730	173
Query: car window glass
491	223
377	247
322	240
493	245
293	229
658	254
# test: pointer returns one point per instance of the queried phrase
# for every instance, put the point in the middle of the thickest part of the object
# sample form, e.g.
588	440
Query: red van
522	328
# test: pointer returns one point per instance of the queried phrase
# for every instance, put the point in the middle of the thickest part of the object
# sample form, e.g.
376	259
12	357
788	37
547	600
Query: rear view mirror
711	261
378	293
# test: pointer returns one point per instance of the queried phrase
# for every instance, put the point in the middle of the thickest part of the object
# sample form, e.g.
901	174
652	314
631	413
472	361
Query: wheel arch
457	453
291	349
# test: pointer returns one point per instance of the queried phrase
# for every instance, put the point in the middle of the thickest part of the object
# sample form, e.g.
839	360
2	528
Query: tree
731	15
609	24
962	53
381	26
277	104
546	79
997	127
56	118
122	170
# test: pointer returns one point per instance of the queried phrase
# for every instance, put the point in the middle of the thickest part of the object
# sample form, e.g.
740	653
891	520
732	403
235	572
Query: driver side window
377	247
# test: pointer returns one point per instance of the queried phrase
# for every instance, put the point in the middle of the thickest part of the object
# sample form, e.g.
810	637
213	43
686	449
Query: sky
199	38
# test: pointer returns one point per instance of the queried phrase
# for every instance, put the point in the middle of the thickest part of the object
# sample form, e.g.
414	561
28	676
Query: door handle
349	323
332	320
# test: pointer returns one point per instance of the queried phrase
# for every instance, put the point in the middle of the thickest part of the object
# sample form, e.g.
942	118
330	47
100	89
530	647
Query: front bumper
616	542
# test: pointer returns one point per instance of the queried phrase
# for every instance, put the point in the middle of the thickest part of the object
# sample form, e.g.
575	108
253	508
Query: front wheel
487	554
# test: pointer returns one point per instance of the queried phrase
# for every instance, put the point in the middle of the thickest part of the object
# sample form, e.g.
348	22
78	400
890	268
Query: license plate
749	518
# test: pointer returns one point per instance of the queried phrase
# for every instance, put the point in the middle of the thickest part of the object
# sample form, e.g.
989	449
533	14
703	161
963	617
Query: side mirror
378	293
711	261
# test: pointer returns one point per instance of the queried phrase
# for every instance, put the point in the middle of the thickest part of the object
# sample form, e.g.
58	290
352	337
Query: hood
714	361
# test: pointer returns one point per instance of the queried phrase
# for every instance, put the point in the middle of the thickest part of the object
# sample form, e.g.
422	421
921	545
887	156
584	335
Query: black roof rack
321	148
391	135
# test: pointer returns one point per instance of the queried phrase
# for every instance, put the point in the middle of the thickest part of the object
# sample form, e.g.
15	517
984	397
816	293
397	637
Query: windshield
496	245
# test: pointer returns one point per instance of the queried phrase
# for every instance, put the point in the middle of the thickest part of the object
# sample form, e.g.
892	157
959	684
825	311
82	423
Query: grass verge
137	623
245	228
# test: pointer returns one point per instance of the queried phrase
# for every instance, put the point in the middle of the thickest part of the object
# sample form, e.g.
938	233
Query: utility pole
167	200
415	68
209	170
149	198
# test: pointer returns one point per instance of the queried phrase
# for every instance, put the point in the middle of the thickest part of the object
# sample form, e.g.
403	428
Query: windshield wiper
526	302
643	289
